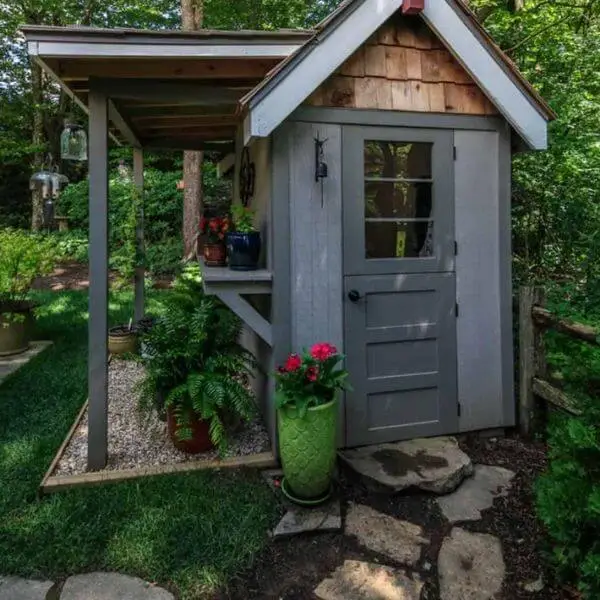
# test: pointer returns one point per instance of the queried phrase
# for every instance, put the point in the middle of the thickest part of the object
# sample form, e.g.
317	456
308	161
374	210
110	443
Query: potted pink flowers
306	387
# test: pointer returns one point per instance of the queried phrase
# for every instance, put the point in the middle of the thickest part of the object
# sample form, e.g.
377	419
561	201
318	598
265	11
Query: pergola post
98	291
140	271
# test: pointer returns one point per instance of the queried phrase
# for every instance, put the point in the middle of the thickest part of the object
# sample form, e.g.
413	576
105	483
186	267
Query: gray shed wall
482	176
260	155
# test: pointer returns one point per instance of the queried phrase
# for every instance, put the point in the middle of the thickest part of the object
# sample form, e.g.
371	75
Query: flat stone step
435	465
398	540
111	586
356	580
476	494
15	588
297	520
470	566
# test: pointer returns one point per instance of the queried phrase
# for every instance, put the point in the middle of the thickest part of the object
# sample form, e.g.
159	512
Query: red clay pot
200	440
215	255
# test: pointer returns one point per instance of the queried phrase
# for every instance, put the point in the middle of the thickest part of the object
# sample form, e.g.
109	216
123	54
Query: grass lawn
188	532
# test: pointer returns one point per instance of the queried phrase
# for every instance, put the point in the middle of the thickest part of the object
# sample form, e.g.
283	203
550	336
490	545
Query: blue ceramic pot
243	251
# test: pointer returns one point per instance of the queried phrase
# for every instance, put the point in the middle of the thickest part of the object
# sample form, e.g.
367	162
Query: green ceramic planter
307	448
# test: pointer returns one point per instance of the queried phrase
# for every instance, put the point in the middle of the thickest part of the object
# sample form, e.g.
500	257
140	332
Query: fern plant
194	363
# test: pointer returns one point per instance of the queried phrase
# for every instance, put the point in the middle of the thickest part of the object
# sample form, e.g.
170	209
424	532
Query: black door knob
354	295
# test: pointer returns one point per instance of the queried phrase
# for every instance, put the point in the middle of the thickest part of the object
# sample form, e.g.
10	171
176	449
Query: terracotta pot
15	328
121	340
200	440
215	255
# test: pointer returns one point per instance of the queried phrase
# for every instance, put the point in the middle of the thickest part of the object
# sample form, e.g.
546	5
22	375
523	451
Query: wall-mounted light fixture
321	170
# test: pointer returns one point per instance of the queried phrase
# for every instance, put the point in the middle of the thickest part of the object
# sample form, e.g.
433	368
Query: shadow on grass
191	531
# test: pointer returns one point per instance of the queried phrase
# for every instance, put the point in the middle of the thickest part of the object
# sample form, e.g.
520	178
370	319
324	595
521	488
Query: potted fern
196	371
243	242
306	392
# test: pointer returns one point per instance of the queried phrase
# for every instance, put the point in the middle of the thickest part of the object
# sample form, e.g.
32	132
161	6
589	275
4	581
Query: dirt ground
291	568
72	275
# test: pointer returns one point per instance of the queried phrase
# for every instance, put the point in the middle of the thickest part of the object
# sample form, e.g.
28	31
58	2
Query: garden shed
376	151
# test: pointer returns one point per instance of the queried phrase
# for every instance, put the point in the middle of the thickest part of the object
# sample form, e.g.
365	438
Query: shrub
23	257
162	209
568	497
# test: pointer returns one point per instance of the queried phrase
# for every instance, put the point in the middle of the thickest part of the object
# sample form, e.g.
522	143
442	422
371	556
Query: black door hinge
455	248
456	309
459	409
454	152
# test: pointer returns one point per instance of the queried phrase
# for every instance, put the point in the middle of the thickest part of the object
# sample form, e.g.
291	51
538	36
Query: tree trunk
192	16
37	202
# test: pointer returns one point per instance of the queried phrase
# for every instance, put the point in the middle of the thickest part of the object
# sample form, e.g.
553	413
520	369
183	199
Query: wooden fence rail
534	320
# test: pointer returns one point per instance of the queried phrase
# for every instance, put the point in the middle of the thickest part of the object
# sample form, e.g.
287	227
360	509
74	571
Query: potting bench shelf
231	287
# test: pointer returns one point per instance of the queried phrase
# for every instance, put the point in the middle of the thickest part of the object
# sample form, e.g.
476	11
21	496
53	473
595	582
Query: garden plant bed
140	441
291	568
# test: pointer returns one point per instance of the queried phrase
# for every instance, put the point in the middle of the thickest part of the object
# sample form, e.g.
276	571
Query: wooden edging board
57	483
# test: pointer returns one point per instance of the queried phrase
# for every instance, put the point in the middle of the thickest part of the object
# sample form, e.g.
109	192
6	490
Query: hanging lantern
42	180
73	142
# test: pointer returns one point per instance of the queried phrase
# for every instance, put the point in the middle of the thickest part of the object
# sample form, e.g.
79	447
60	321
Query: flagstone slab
357	580
297	520
434	465
476	494
15	588
111	586
399	540
470	566
11	364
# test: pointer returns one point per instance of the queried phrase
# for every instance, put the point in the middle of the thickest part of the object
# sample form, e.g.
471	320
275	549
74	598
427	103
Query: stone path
91	586
11	364
470	566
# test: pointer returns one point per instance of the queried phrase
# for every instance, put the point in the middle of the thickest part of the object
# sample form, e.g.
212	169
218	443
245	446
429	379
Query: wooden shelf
231	287
219	279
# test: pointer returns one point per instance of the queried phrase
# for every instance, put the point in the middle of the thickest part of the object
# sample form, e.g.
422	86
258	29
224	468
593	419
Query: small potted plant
122	339
213	230
23	257
243	243
306	390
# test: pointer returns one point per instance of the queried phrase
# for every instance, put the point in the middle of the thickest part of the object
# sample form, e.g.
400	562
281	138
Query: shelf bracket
248	314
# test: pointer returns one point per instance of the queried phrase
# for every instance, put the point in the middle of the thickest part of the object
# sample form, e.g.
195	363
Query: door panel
402	363
400	319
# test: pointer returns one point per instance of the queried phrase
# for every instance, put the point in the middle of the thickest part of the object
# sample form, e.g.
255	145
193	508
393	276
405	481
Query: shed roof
354	21
168	89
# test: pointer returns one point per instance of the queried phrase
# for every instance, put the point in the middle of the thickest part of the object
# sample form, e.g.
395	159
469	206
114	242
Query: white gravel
136	440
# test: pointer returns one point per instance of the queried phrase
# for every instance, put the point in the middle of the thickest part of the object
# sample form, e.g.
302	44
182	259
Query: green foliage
189	532
568	498
243	219
70	245
23	257
193	360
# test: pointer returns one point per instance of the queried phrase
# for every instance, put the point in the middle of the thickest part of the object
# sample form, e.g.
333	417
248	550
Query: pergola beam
171	143
248	69
175	93
98	291
122	125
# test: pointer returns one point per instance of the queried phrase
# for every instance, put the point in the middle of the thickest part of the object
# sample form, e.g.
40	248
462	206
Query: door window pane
398	199
399	239
397	160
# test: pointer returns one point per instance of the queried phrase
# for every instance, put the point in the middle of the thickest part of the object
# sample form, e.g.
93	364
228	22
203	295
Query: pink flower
323	351
312	373
293	363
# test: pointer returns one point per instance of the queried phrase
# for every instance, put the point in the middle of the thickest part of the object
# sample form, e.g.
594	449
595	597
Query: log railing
534	320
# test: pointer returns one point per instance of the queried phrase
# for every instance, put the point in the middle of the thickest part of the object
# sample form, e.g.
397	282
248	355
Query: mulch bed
290	569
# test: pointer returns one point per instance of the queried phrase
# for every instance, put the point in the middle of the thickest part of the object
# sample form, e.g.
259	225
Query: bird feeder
73	143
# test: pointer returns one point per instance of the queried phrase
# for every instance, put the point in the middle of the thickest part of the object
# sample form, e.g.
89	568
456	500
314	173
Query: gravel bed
139	440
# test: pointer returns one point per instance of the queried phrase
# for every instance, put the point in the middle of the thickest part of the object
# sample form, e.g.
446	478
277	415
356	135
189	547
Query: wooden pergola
154	90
